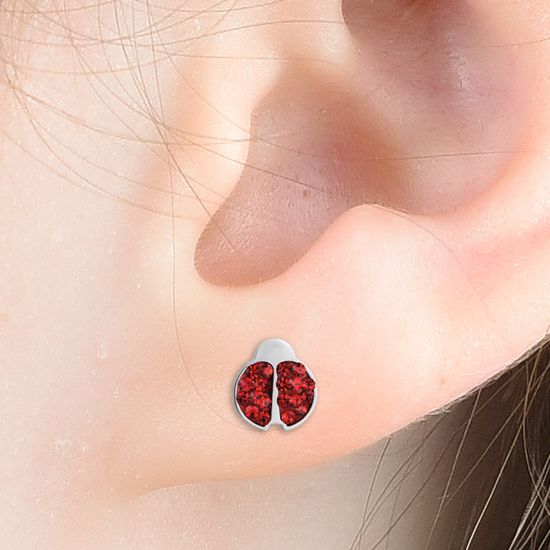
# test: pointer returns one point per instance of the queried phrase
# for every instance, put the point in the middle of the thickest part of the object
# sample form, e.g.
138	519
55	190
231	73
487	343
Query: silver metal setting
274	351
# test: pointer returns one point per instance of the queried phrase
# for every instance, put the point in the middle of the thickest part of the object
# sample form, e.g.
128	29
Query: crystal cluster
295	389
255	391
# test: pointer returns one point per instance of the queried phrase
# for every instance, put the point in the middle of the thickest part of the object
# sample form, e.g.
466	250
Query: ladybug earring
275	388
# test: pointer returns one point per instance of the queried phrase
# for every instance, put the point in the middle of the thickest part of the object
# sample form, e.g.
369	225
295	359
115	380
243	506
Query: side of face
366	182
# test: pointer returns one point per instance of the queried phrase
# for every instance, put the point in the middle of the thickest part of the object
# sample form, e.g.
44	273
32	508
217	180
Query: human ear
373	191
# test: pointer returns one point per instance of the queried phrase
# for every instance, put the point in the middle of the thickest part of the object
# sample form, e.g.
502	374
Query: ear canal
313	155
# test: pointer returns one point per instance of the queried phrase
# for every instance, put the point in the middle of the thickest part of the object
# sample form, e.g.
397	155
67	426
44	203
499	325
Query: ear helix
285	395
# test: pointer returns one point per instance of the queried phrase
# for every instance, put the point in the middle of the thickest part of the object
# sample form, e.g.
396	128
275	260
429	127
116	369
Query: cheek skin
67	295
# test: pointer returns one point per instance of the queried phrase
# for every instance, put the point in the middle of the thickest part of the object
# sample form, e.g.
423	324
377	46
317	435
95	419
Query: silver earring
275	388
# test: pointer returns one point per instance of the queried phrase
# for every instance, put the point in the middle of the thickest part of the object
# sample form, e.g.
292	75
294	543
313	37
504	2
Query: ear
373	189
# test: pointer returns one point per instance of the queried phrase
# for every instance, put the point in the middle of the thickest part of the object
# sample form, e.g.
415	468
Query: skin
405	149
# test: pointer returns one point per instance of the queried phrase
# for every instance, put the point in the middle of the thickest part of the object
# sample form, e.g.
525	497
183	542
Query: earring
284	395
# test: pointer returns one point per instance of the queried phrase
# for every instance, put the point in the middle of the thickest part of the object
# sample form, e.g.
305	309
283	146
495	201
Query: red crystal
296	391
255	391
288	417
